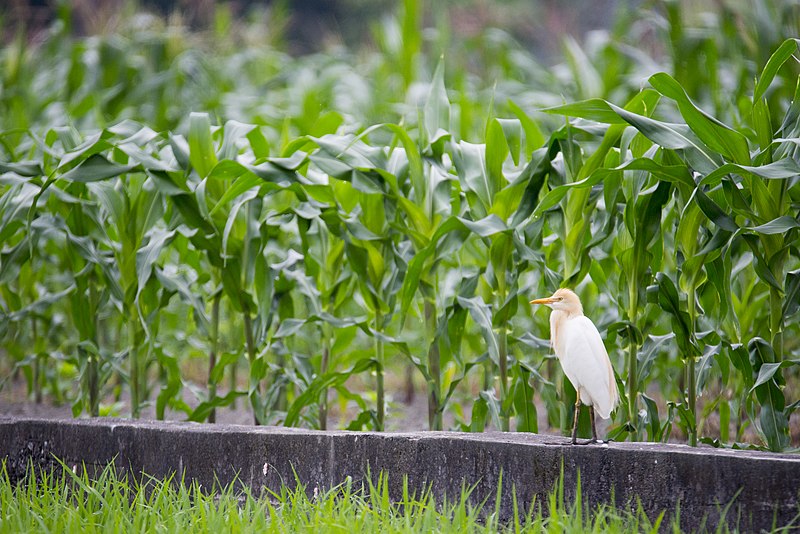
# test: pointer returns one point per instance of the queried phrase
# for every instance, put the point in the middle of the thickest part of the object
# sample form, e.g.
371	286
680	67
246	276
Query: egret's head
563	299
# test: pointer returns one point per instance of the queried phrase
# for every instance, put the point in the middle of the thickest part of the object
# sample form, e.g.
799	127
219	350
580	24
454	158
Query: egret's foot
590	442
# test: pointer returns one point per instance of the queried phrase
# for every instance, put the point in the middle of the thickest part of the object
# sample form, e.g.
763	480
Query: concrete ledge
763	487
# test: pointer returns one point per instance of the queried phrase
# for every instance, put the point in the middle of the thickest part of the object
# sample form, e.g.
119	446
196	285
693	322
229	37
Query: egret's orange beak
547	300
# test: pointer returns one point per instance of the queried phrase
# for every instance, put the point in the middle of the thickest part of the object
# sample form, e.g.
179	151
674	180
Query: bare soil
403	414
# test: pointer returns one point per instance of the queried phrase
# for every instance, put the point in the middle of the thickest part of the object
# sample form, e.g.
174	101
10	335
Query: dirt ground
401	416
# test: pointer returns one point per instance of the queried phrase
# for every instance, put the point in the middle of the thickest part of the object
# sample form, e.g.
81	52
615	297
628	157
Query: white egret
583	357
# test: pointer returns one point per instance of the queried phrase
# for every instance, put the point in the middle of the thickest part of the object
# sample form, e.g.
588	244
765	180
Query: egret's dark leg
575	419
575	424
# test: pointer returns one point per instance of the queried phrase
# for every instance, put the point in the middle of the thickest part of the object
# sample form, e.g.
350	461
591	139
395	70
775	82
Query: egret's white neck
557	320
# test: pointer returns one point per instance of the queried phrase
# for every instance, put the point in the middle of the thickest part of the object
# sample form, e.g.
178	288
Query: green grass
66	502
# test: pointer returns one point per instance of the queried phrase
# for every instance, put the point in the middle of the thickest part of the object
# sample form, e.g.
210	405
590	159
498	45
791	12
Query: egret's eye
560	299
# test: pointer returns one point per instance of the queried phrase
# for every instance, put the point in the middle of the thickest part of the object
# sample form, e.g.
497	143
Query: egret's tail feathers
604	409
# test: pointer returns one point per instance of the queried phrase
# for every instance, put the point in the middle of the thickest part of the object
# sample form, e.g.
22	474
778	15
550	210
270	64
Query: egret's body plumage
583	357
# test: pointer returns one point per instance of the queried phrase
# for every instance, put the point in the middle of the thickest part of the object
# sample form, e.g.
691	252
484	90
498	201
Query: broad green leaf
497	150
320	384
147	256
415	268
774	426
776	226
524	405
201	146
761	266
728	142
23	168
494	405
233	131
775	62
534	138
791	300
779	170
482	315
534	176
205	408
485	227
471	164
594	109
96	168
437	105
714	212
766	372
665	295
512	129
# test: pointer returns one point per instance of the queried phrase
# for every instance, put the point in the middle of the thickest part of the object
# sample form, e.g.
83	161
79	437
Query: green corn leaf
205	408
201	146
320	384
780	225
765	373
437	105
525	408
480	411
761	266
23	168
482	315
791	300
775	62
173	385
728	142
147	256
653	421
415	268
95	169
774	426
534	177
497	150
714	212
485	227
471	162
534	138
233	132
768	370
594	109
778	170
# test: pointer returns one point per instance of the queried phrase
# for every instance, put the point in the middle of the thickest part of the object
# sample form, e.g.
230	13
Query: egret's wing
586	364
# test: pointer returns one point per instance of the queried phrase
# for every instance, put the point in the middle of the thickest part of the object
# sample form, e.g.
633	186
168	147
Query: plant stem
94	365
434	367
409	396
503	353
212	356
379	356
502	342
323	369
133	355
93	386
776	323
233	381
251	358
37	364
633	387
691	387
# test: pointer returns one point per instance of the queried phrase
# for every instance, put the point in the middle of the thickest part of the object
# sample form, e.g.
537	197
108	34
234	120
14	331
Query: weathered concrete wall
702	480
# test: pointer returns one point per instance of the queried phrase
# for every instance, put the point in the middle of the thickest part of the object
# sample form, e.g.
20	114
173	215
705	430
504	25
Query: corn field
297	226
